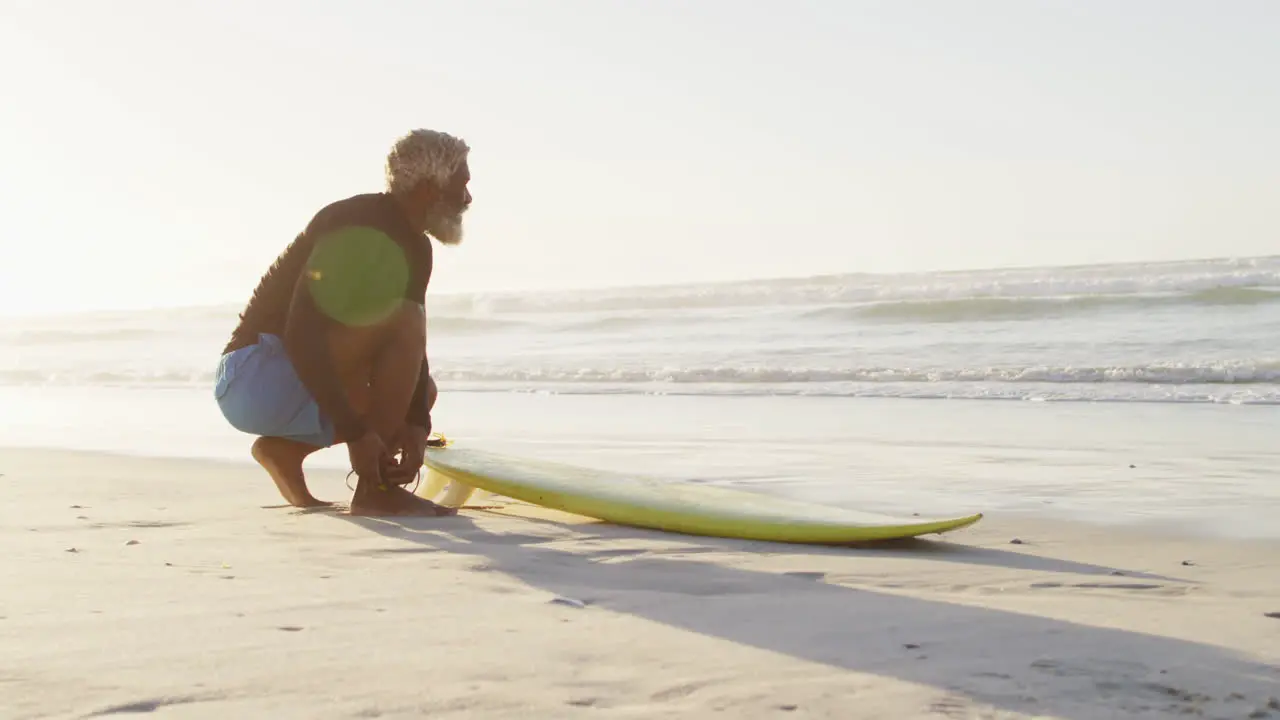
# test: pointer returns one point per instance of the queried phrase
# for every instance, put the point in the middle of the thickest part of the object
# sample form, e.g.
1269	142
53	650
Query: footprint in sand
803	575
950	706
1098	586
149	705
677	692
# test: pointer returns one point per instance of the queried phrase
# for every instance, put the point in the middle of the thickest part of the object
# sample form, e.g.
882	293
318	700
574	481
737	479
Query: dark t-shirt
356	261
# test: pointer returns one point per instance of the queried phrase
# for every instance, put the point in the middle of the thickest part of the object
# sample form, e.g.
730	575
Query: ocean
1193	347
1171	332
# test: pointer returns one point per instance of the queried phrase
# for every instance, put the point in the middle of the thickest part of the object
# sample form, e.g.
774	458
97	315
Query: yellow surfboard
694	509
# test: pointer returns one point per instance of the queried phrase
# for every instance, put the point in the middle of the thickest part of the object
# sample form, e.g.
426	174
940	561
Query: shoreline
1201	470
329	483
188	592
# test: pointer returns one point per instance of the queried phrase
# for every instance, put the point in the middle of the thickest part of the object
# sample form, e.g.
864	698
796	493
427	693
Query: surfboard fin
444	490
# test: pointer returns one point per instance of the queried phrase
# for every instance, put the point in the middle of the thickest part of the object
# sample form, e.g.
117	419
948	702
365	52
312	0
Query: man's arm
419	411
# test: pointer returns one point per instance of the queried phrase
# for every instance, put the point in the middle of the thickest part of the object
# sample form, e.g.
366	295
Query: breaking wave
1223	373
1158	374
970	309
1226	281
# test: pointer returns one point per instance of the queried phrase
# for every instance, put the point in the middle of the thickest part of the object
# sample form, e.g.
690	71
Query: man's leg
282	458
392	375
379	366
387	373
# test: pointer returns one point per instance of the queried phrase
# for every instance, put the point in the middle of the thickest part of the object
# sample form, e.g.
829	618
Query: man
331	347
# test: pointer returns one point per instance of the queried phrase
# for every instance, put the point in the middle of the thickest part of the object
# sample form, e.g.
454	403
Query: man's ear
424	195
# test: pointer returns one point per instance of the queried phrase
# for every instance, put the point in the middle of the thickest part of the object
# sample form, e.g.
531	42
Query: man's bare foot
391	500
282	459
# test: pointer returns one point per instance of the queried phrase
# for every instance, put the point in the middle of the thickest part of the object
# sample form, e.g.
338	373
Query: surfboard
456	470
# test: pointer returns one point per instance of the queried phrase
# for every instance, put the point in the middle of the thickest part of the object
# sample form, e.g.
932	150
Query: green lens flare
357	275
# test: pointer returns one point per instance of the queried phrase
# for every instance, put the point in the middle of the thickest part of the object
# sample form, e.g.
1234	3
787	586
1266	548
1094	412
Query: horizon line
633	287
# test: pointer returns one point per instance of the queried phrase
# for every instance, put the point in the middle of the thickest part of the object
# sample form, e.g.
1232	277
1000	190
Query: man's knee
409	324
356	350
406	324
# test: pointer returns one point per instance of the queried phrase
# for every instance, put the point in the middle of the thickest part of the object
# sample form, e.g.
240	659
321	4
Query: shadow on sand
1012	661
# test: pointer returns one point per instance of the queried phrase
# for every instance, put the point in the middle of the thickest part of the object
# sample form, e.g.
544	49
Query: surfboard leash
435	440
417	480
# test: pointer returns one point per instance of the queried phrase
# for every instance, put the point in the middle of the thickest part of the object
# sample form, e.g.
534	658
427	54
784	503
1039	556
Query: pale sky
163	152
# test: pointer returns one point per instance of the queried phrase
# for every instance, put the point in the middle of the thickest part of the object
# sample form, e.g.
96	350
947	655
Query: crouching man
331	348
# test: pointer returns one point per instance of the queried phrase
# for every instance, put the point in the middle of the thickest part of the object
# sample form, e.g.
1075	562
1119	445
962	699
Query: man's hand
411	443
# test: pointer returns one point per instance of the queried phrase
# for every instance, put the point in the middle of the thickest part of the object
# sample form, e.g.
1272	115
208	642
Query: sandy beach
179	588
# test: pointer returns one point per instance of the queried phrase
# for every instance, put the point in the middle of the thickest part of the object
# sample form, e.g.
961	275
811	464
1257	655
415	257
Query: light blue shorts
259	393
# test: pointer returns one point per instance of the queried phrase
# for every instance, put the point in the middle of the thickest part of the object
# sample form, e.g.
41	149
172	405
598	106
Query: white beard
447	228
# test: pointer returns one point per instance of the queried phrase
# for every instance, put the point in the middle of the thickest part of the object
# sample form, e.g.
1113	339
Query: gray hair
423	155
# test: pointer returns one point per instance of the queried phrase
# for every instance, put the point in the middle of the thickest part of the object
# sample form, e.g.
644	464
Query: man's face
443	218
